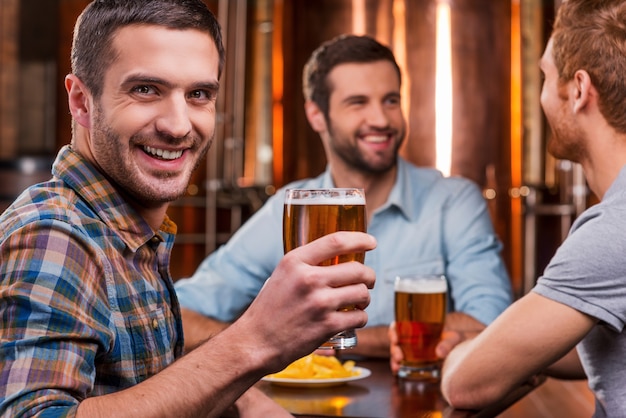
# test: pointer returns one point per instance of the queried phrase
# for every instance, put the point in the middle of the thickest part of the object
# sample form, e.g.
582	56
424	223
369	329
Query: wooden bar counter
381	395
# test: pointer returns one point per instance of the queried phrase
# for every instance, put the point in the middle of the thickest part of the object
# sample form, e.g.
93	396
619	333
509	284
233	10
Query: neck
377	187
153	215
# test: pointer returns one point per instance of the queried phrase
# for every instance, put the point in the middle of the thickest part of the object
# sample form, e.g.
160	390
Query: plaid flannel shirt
87	305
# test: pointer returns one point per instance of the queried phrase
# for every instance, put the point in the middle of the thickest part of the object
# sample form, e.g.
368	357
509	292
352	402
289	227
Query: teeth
164	154
376	139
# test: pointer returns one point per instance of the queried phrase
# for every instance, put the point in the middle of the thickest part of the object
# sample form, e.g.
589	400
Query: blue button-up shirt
429	224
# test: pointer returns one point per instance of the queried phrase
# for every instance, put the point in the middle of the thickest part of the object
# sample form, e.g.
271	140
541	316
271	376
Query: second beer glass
311	213
420	312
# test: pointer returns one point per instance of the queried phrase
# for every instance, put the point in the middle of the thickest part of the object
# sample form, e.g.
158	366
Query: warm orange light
277	94
358	17
399	50
443	90
516	148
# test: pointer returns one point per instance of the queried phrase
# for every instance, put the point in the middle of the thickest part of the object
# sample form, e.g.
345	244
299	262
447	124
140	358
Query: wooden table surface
381	395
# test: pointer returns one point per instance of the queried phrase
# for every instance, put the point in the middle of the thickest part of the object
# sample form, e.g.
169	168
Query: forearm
205	383
534	333
198	328
568	367
463	323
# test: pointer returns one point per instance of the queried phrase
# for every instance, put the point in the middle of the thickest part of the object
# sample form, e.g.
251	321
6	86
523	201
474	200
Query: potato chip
315	366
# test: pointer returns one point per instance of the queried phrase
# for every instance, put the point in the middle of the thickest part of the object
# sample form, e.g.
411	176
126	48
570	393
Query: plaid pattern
87	305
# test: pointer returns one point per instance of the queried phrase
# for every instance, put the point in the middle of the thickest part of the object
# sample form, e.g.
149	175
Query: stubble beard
123	173
350	154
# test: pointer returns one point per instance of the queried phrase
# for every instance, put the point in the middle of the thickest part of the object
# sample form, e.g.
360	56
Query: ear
79	100
582	91
315	116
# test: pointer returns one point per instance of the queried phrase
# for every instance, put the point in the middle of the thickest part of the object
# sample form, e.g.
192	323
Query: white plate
318	383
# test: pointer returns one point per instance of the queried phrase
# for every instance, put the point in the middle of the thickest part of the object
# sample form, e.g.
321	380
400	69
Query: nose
174	117
377	116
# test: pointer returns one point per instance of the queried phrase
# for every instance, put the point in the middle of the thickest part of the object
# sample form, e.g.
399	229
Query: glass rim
322	189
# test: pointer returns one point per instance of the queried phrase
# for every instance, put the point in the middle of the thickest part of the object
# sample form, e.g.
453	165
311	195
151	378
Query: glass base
342	341
431	372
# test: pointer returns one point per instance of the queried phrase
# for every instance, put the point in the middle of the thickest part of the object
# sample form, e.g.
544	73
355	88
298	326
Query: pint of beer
312	213
420	311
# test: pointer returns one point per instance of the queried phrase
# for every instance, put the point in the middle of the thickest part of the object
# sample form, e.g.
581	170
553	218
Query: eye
357	101
202	95
393	100
143	89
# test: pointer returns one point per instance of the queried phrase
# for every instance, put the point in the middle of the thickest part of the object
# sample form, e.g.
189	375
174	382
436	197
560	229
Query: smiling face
365	125
155	118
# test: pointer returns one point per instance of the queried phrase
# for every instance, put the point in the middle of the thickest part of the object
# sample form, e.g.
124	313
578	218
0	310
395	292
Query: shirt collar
401	196
97	192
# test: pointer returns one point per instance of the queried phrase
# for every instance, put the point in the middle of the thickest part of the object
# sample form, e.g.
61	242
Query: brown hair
340	50
92	51
590	35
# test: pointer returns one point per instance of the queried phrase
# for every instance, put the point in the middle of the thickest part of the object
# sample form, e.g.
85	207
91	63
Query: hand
298	308
458	328
395	352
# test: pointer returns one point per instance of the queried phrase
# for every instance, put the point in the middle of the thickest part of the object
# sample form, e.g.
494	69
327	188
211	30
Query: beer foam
420	286
322	199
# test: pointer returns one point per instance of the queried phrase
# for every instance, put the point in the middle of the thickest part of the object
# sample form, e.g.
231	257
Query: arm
198	328
528	337
252	403
567	367
479	284
214	375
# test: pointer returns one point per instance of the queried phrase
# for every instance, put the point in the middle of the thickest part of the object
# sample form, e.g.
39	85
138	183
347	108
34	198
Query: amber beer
420	311
312	213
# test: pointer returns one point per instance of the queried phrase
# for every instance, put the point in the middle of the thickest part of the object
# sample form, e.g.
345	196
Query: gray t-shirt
588	273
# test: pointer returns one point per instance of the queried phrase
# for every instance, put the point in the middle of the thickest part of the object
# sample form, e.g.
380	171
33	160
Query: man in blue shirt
423	222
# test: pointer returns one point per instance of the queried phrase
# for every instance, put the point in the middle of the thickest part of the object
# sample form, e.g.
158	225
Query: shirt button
155	324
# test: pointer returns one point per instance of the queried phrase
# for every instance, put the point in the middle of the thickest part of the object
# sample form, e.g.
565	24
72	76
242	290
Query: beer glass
420	312
312	213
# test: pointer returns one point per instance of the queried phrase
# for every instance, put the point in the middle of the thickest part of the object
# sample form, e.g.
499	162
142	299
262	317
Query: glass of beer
420	312
312	213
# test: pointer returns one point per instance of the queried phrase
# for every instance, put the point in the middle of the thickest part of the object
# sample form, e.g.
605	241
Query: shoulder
49	203
431	178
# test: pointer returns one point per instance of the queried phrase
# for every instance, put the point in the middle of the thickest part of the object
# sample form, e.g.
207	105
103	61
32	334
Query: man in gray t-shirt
572	323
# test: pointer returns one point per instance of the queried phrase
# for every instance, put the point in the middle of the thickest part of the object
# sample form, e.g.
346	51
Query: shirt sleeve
228	280
52	320
480	285
587	271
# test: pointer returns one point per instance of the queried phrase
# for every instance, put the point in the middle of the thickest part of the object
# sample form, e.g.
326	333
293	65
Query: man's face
366	126
155	119
565	142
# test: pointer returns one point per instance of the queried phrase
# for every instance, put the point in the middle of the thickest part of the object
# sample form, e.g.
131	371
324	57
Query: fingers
325	352
395	353
449	339
331	245
308	298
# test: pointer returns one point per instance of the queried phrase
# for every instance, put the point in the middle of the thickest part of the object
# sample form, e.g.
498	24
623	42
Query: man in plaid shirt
89	321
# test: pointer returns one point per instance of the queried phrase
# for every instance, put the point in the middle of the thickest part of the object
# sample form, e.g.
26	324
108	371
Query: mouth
162	154
376	139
